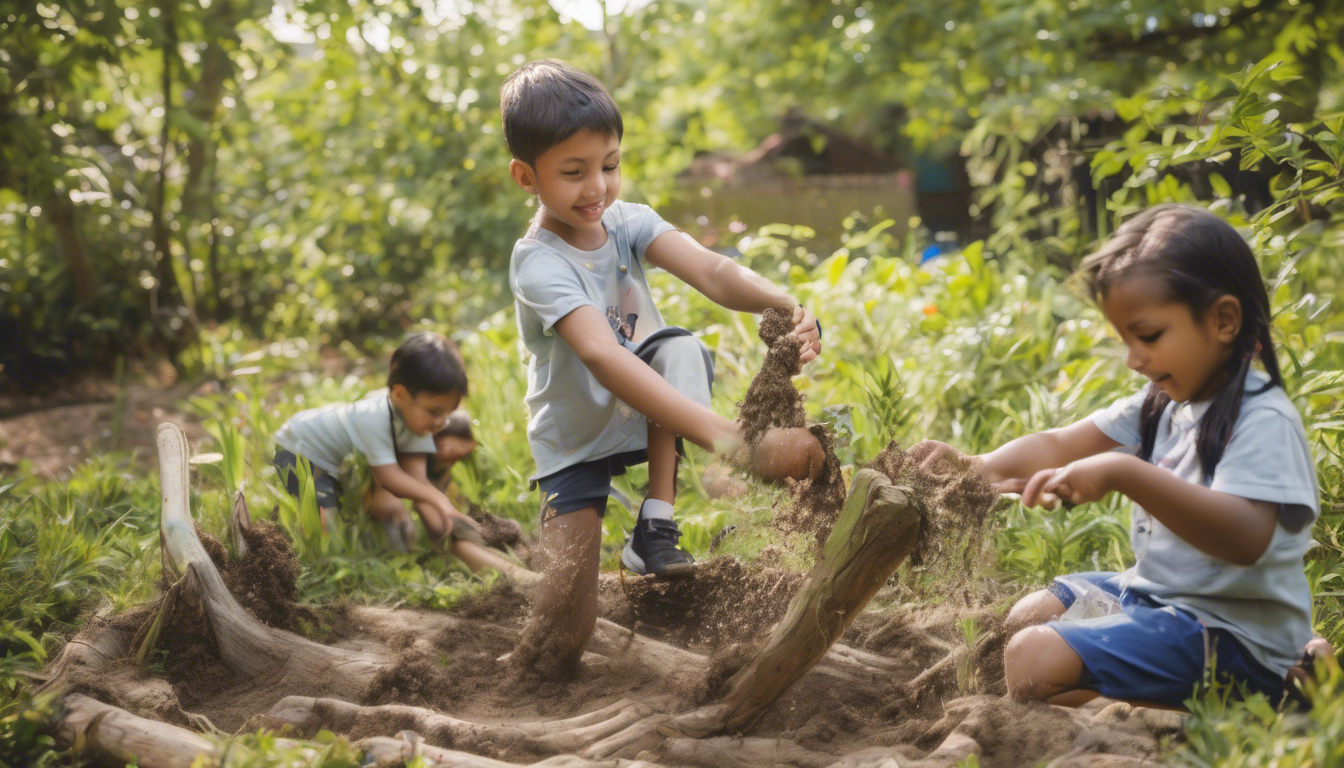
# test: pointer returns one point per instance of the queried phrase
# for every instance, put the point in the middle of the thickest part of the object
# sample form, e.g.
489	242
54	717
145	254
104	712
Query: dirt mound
265	578
727	602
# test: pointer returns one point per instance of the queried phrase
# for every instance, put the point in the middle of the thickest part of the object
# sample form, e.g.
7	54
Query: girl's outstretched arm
1010	466
1221	525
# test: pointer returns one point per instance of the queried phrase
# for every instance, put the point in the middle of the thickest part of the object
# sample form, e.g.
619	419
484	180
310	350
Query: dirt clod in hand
772	401
499	532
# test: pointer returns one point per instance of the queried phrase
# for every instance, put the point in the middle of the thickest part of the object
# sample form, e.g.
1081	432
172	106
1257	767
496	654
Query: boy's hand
1081	482
808	331
792	453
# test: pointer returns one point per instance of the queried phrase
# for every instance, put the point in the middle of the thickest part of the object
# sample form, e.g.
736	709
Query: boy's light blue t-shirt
573	417
1267	605
327	435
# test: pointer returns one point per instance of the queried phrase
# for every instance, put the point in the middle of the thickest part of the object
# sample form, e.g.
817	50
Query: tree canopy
326	168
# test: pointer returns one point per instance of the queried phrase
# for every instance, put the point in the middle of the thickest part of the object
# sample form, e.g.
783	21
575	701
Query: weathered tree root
877	529
875	533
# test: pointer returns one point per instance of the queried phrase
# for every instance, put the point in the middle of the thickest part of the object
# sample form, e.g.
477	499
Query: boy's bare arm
719	278
728	284
406	486
589	334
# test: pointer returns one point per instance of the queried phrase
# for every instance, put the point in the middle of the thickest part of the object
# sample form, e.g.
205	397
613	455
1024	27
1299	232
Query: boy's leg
327	487
652	547
1038	665
564	611
477	557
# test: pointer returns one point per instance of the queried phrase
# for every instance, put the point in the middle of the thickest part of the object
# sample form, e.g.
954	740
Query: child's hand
939	459
808	331
1081	482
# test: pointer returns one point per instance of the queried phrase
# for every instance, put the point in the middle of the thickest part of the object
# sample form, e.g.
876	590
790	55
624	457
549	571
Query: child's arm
729	284
405	485
1012	464
1221	525
589	334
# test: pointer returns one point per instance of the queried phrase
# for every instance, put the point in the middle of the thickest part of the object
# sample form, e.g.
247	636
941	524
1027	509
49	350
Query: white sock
653	509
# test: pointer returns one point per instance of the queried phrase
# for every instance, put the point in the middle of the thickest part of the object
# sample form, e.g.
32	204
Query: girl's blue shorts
1152	652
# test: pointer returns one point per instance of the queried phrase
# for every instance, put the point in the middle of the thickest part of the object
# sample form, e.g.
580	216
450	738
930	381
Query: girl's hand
1081	482
940	458
805	327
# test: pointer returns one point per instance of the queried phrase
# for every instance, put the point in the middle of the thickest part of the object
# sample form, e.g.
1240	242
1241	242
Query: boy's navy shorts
327	486
588	483
1153	652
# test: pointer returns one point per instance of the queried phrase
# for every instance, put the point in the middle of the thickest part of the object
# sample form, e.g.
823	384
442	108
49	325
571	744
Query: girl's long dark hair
1197	258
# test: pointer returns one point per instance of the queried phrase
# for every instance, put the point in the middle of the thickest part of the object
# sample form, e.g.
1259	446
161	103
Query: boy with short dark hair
609	384
394	429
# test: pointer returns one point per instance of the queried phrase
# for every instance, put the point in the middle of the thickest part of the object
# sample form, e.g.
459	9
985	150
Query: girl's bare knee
1036	608
1038	664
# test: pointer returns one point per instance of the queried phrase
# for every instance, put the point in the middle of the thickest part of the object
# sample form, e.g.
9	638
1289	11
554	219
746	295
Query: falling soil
956	498
727	602
772	401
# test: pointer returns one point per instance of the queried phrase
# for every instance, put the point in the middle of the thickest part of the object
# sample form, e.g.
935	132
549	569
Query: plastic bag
1089	601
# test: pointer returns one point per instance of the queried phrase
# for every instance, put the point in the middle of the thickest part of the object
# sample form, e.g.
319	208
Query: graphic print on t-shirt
624	328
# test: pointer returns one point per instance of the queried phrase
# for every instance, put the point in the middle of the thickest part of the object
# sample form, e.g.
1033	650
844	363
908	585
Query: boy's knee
385	508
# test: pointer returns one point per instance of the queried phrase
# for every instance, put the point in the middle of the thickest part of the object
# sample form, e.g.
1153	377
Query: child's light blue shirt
327	435
1267	605
573	417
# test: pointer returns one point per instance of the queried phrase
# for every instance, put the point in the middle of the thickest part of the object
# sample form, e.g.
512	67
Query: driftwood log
877	529
875	532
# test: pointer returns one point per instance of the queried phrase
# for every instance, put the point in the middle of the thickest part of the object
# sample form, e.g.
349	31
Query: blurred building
811	174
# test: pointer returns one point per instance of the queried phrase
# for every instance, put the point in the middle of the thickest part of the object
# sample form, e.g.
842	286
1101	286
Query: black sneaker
652	549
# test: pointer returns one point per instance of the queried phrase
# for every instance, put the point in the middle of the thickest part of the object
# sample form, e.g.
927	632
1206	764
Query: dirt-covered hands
808	331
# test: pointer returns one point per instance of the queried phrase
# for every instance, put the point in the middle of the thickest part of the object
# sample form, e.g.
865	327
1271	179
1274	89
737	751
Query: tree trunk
876	531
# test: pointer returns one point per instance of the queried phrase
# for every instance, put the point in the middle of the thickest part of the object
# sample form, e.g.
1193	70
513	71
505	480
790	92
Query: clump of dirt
956	500
725	602
500	532
502	604
264	580
772	401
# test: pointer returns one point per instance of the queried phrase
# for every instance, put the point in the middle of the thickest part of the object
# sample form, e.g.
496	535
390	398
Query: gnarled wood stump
877	529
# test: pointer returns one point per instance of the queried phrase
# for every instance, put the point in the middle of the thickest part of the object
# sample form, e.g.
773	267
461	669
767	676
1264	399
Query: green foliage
332	175
1228	732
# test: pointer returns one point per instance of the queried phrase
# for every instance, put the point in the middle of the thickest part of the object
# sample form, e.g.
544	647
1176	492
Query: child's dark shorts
588	483
327	486
1153	652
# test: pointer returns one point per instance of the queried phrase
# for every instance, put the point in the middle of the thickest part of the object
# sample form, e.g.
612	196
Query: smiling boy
609	385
